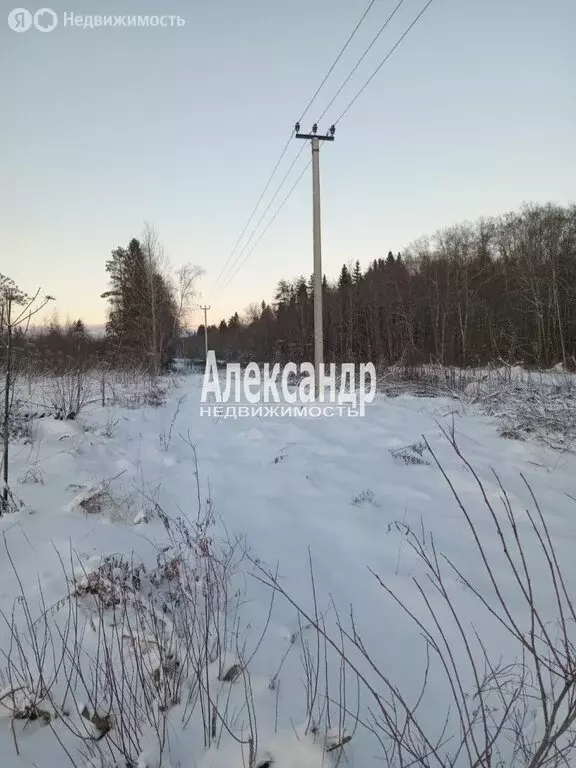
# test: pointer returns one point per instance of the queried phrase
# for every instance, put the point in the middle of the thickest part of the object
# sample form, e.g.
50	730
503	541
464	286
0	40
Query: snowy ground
334	492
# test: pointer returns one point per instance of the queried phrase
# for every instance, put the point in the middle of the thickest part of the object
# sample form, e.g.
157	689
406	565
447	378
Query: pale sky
103	129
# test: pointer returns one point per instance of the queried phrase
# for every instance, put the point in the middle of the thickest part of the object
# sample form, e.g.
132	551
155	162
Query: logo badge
45	20
20	20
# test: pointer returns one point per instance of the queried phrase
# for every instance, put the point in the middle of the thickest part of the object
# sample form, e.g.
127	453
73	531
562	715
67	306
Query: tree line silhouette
500	288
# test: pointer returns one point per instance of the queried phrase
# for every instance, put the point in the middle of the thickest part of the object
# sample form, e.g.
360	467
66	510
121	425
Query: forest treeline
147	304
497	289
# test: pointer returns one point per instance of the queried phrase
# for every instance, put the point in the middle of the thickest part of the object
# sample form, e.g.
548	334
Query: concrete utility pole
318	323
206	331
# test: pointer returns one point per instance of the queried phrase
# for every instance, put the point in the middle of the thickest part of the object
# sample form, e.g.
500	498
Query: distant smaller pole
205	332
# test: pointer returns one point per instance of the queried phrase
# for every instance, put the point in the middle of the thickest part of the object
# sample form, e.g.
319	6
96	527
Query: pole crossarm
314	136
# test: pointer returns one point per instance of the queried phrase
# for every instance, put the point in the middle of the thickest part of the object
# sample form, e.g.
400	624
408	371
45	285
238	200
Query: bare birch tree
16	311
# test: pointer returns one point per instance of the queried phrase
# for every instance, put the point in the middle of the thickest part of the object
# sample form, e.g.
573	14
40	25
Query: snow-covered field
201	509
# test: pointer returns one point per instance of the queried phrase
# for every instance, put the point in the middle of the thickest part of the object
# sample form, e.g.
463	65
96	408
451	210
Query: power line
346	44
233	251
282	204
238	264
282	154
361	59
274	196
384	60
315	146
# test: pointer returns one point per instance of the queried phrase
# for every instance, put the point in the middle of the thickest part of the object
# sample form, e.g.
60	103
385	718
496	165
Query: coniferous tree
143	320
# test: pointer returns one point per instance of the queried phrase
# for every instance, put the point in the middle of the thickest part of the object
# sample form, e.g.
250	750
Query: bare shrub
518	714
33	474
155	397
109	428
135	649
166	437
67	393
410	454
429	380
365	497
102	499
20	426
115	581
136	389
128	644
537	406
